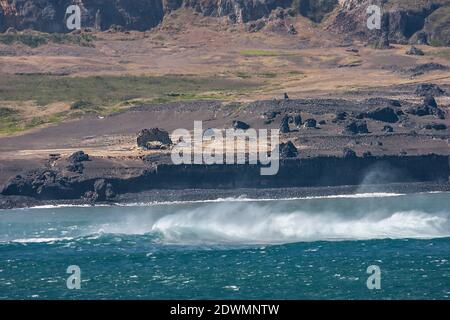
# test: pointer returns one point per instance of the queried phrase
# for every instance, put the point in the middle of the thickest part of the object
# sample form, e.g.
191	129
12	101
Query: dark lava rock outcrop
356	127
154	138
288	150
415	22
49	15
385	114
76	162
40	183
78	156
429	89
284	126
424	68
310	123
422	22
240	125
436	126
414	51
428	108
349	153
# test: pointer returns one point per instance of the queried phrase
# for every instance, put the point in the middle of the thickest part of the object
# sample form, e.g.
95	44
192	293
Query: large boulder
103	190
385	114
356	127
40	183
288	150
436	126
154	138
340	116
284	126
348	153
428	108
78	156
427	89
298	120
414	51
240	125
310	123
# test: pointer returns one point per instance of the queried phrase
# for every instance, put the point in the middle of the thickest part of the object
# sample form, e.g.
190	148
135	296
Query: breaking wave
250	222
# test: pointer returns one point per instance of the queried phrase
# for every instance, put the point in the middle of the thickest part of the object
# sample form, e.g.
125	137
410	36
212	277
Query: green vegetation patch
443	54
36	39
260	53
86	92
105	95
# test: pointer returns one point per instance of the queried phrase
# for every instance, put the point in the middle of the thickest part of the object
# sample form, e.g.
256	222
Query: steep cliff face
49	15
406	21
313	172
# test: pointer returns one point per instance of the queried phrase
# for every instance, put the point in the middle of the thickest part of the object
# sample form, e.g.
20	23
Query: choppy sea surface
314	248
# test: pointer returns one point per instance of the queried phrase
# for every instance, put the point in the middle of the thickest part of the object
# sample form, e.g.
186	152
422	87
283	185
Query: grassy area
260	53
104	91
36	39
104	95
443	54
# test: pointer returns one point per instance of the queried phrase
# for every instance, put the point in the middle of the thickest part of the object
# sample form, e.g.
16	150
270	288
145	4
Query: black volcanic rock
349	153
425	67
78	156
357	127
426	89
436	126
240	125
414	51
49	15
76	167
428	108
340	116
429	101
288	150
284	126
154	138
310	123
385	114
298	120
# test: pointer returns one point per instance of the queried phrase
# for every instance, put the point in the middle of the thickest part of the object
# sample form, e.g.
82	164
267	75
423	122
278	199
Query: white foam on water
218	200
251	224
246	221
40	240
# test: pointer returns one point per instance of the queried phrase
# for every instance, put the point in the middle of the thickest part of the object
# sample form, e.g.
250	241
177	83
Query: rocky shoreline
167	182
245	194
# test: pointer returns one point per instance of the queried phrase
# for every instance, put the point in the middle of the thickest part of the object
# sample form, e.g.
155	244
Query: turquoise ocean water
317	248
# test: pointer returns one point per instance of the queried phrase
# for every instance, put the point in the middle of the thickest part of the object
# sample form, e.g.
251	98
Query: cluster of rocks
429	107
414	51
76	162
56	184
356	127
40	183
288	150
103	191
384	114
424	68
436	126
153	139
270	116
297	121
429	89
